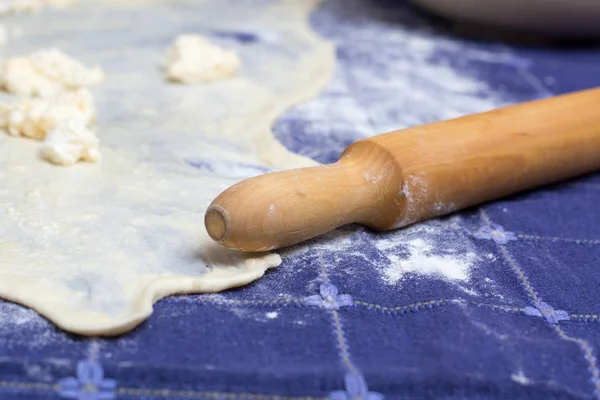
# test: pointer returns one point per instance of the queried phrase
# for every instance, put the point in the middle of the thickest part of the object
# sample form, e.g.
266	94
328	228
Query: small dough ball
193	59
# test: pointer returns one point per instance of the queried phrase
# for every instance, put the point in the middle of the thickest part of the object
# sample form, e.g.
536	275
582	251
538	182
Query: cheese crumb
61	108
62	122
70	141
58	66
34	118
193	59
46	73
18	76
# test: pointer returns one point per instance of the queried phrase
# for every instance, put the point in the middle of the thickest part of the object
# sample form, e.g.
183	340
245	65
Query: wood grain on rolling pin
399	178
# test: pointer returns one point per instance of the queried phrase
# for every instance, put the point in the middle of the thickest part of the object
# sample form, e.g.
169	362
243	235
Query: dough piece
70	141
93	247
46	73
34	118
193	59
3	35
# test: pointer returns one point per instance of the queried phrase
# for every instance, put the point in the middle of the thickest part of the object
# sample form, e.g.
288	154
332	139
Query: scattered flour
422	260
193	59
469	291
13	316
16	319
520	378
110	349
37	372
413	76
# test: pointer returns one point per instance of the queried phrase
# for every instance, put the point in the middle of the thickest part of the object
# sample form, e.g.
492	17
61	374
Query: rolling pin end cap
217	223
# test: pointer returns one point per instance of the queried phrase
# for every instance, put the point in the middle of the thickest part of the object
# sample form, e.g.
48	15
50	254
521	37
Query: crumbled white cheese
62	122
70	141
58	66
18	76
63	110
193	59
34	118
46	73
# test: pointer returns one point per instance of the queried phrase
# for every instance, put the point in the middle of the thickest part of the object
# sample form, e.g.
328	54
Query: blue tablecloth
523	324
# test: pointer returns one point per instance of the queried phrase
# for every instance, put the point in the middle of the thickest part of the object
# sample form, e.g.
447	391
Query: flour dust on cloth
92	246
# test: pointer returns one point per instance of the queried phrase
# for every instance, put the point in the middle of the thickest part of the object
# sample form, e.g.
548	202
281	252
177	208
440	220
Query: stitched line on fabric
28	386
415	306
213	395
588	354
255	301
343	346
94	350
558	239
524	280
512	264
162	392
533	81
392	309
420	305
323	267
586	317
435	303
337	326
412	307
583	345
503	308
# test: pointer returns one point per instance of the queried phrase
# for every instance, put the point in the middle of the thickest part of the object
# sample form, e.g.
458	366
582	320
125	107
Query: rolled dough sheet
93	246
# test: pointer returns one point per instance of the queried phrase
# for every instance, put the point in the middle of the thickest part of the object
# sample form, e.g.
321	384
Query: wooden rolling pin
399	178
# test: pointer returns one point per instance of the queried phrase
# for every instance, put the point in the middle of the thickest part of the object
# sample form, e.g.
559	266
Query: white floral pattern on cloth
89	384
496	233
544	310
329	298
356	388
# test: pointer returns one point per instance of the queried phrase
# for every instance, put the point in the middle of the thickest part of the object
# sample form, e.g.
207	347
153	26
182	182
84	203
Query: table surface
515	317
